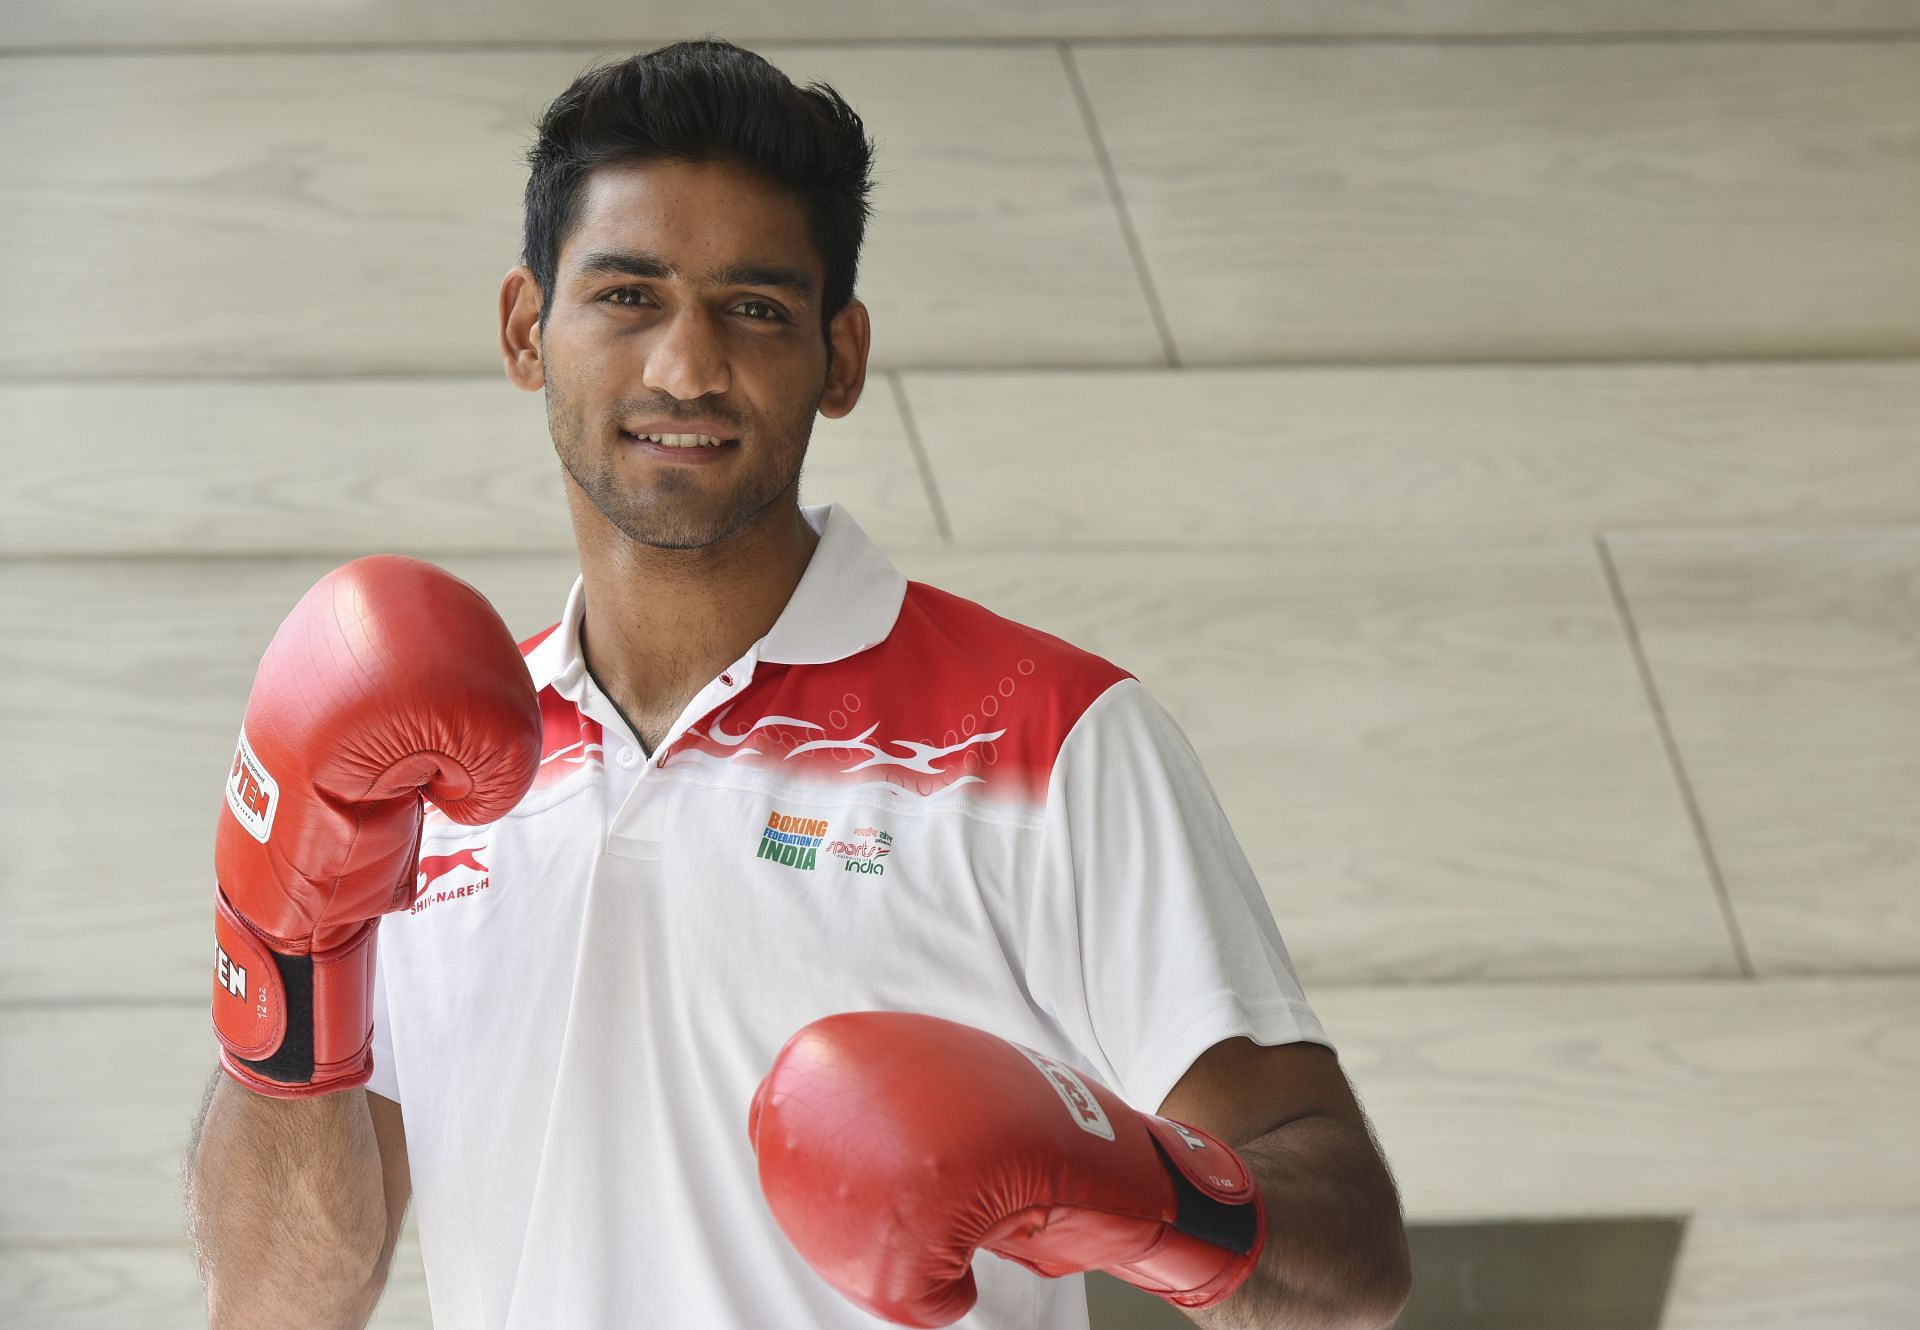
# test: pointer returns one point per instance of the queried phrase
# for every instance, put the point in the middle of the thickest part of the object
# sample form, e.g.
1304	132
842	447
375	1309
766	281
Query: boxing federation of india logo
864	853
793	841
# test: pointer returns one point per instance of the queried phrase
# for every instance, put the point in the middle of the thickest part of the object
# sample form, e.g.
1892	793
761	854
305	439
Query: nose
685	359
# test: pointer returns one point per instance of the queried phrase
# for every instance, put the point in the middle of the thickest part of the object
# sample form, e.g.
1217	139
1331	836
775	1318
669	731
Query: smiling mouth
679	440
681	452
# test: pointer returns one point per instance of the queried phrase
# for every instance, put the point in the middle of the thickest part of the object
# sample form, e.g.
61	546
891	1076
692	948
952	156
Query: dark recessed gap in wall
1570	1274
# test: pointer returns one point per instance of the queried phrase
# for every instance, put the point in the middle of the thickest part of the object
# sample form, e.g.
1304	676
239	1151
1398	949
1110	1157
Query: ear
520	329
850	336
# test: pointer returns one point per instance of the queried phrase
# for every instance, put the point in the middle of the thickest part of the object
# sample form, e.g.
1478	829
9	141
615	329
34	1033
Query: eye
770	307
773	314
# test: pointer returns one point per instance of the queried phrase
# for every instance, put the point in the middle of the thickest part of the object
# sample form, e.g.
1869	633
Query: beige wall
1491	427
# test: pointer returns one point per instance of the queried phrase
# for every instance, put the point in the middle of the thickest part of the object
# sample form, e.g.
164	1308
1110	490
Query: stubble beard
676	511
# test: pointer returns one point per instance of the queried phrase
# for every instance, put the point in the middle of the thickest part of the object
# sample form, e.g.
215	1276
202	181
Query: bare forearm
286	1208
1336	1255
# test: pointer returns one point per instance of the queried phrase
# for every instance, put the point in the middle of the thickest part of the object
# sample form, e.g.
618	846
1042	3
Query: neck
660	624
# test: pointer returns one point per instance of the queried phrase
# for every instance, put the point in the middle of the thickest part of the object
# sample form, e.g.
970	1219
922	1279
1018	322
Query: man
777	782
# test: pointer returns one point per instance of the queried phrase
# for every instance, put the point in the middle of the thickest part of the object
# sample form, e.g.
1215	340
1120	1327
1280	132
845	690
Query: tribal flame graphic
920	757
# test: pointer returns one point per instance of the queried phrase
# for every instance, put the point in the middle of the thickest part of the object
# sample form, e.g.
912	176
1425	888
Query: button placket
733	681
637	825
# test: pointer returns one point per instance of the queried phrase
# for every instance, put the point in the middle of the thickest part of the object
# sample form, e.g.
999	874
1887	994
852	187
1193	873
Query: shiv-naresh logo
433	867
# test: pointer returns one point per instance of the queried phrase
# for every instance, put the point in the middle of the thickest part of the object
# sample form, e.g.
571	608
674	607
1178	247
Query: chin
675	530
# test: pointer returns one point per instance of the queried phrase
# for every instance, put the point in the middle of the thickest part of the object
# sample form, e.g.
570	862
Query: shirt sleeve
384	1082
1152	940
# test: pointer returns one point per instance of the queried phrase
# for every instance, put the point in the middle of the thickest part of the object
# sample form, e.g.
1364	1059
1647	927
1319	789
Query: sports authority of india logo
793	841
864	853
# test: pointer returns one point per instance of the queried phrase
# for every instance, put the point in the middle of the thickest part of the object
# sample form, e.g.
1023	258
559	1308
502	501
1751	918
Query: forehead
700	216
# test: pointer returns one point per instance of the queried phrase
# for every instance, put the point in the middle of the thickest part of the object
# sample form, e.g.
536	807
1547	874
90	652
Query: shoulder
956	698
992	668
528	644
967	638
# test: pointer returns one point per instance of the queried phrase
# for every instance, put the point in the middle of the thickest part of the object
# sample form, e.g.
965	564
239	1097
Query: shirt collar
848	600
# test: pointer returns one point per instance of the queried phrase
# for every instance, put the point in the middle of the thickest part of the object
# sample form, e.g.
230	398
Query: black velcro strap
1211	1220
292	1062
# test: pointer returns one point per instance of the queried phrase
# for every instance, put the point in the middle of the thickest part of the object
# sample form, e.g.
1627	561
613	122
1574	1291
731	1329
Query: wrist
1211	1246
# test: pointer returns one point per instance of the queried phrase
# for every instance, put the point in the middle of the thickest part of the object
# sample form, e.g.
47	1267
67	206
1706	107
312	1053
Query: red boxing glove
390	679
892	1146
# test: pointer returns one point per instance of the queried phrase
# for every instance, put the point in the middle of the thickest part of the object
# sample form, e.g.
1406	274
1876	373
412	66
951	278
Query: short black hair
703	101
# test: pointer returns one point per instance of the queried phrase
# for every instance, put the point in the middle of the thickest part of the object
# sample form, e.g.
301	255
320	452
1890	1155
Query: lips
631	437
698	453
707	427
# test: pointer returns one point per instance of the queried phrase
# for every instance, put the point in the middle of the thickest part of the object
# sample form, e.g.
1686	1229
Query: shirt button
727	679
627	757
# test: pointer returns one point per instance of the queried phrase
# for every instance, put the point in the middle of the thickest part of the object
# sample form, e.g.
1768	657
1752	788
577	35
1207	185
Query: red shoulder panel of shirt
956	695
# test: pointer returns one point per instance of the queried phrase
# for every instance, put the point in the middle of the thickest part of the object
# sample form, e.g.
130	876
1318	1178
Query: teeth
682	440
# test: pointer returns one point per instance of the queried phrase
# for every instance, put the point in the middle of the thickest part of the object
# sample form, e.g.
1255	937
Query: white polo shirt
895	800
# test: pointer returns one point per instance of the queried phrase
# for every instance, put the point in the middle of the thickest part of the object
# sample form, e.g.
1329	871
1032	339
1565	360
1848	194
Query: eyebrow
640	263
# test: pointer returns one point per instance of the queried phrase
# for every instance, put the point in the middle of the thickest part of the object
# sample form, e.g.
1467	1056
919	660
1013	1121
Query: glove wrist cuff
292	1024
1220	1221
